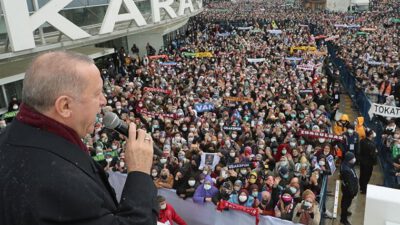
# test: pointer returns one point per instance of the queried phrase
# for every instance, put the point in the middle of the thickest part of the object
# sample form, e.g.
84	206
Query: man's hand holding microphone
139	147
139	150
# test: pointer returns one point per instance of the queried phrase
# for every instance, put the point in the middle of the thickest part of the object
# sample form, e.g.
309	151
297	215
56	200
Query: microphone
111	121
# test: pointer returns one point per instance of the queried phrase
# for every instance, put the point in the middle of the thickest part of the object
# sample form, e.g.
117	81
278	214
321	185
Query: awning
11	71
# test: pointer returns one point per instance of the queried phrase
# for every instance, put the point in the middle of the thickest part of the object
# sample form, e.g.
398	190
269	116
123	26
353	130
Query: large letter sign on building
17	18
156	6
112	15
183	4
21	25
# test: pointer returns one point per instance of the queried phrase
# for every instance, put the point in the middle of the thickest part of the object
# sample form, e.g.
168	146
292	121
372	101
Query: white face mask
284	152
242	198
163	161
307	204
121	164
322	163
154	174
114	147
15	107
207	186
352	161
163	206
108	159
191	183
205	172
232	154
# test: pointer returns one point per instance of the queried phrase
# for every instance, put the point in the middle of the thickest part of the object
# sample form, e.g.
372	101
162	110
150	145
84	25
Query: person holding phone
307	212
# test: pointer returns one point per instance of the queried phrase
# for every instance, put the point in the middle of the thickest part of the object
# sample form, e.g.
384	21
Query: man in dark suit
47	176
349	185
368	154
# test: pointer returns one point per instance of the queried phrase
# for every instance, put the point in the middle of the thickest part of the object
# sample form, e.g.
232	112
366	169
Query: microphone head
111	120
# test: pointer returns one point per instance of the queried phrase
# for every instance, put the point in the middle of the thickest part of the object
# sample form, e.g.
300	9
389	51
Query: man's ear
63	106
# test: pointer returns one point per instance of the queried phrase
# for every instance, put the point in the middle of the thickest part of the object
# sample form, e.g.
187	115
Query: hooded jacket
341	125
360	129
169	214
200	194
235	199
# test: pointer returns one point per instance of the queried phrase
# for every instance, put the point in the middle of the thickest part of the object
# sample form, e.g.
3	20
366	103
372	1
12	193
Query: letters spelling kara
20	24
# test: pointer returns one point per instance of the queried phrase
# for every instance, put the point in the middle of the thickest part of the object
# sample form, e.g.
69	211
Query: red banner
222	204
316	134
320	37
159	90
158	57
154	114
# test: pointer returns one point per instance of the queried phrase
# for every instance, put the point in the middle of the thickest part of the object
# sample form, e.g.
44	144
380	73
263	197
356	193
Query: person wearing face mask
349	185
307	212
360	128
166	179
254	191
229	158
187	190
224	193
285	205
205	191
285	176
168	214
341	126
242	198
268	202
351	141
237	186
13	105
368	152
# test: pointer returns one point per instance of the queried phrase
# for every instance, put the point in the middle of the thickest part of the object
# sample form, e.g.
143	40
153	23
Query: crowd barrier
362	102
206	214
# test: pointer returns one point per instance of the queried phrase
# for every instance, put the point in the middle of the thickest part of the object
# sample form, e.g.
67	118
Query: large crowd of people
231	100
243	103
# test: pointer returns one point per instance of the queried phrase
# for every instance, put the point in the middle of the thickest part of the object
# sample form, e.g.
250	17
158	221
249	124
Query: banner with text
204	107
384	110
316	134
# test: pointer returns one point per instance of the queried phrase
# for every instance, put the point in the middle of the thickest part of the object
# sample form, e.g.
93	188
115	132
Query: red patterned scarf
222	204
33	118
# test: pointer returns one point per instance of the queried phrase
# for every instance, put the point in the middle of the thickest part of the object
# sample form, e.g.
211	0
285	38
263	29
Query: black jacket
45	179
349	178
367	152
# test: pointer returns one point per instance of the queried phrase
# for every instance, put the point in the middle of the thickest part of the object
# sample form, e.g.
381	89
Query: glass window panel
14	90
2	100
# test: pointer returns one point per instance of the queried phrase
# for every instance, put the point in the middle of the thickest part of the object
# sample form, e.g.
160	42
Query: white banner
275	31
255	60
245	28
384	110
332	38
307	67
196	214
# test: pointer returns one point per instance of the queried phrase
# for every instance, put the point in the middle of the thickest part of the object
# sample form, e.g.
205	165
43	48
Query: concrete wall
338	5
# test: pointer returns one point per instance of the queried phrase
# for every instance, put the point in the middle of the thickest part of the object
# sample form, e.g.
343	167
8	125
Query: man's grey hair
51	75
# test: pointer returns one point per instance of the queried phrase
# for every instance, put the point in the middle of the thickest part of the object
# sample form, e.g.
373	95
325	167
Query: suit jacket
45	179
